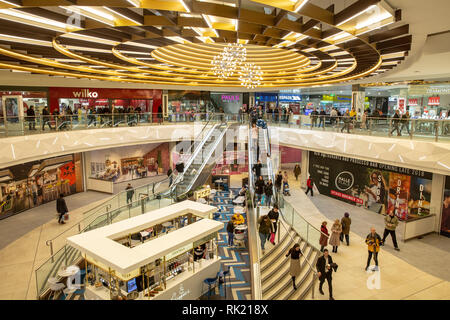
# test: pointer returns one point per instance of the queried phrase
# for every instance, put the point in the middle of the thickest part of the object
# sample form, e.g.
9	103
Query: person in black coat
46	118
324	267
30	118
61	208
259	188
269	192
274	215
257	169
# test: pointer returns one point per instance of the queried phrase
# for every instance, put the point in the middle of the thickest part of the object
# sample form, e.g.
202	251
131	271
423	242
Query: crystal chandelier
250	75
232	56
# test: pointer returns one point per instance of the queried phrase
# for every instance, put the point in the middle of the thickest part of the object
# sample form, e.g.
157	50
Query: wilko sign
85	93
434	101
413	102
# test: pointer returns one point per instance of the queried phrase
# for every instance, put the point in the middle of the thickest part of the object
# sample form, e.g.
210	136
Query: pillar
358	99
437	198
252	100
305	169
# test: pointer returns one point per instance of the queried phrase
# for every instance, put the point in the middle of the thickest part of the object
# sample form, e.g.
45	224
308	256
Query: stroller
286	190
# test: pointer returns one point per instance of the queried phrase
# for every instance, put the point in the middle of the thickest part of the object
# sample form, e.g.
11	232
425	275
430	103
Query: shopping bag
272	238
263	199
66	216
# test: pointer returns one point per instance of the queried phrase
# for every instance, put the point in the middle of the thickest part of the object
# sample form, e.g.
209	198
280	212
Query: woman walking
265	229
61	208
336	230
259	188
346	222
297	171
294	269
323	241
269	192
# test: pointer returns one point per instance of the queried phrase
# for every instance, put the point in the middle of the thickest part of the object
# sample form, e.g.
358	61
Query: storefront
378	187
31	184
267	100
124	164
114	100
14	103
290	101
187	104
163	255
229	102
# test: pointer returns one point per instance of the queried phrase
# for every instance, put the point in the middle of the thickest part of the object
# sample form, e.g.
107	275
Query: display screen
132	285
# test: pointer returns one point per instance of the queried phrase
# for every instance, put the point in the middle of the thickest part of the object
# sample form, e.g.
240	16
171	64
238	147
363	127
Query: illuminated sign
230	98
434	101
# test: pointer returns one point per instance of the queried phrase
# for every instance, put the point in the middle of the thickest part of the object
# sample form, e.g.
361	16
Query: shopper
199	252
238	218
373	241
364	120
230	230
259	188
346	222
274	214
322	115
310	186
278	181
313	117
265	229
336	230
130	193
61	208
295	268
324	267
333	116
46	118
31	118
297	171
323	241
286	189
346	119
405	122
395	123
391	223
254	136
268	191
257	169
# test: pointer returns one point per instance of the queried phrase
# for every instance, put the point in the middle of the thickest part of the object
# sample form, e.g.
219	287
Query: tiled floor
234	258
407	274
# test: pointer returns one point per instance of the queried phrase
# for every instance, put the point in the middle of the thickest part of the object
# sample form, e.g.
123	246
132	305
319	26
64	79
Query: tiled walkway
235	259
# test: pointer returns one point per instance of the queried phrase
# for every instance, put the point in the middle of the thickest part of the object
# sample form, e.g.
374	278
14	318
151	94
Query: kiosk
168	265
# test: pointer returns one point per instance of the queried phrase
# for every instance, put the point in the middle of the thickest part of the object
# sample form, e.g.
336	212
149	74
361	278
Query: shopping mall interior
225	150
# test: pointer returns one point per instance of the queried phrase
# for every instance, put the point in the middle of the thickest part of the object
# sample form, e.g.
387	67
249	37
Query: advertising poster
378	187
445	224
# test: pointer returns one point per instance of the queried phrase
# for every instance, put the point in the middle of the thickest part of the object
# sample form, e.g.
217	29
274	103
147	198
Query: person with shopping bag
273	216
61	208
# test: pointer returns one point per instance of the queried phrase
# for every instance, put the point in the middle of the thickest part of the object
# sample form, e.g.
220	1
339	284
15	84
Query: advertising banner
434	101
445	224
379	187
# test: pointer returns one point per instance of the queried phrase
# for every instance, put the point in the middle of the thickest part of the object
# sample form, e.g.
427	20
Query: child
286	191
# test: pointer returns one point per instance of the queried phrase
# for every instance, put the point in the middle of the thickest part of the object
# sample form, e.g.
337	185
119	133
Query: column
305	169
252	100
437	198
358	99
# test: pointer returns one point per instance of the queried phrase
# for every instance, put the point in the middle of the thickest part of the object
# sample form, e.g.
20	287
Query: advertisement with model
379	187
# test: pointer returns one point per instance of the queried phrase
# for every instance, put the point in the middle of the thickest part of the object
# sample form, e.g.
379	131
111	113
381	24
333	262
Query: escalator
276	282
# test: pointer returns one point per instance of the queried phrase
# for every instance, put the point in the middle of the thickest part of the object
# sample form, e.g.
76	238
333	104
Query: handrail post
279	231
51	248
79	228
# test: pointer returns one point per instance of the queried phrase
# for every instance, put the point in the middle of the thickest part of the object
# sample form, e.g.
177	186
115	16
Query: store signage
179	251
230	98
290	97
413	102
344	181
401	104
85	93
434	101
269	97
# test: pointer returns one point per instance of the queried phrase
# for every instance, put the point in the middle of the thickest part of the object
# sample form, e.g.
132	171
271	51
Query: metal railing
28	125
439	130
105	214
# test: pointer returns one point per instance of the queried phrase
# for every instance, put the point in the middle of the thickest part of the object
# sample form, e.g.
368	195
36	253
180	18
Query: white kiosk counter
161	268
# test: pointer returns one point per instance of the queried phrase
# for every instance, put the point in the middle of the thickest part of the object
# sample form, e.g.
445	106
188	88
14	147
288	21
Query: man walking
230	230
391	222
396	122
130	193
405	122
61	208
46	118
373	241
297	171
257	169
314	114
324	271
30	118
310	185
